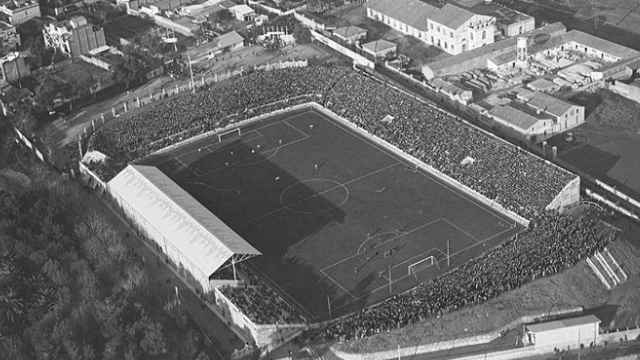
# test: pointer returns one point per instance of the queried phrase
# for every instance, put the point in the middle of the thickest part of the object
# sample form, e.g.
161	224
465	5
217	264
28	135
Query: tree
153	341
302	34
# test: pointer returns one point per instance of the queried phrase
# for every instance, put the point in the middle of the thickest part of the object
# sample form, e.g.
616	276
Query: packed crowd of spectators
515	179
179	117
260	302
555	243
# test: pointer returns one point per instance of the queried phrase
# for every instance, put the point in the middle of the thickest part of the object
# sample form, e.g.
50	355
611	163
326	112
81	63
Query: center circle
314	195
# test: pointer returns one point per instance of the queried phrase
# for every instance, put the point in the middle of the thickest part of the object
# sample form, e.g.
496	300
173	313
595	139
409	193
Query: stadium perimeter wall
357	58
266	336
420	164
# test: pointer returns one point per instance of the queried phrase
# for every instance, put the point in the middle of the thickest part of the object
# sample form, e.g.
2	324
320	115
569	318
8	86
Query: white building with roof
243	12
380	49
188	233
451	28
537	115
571	333
350	34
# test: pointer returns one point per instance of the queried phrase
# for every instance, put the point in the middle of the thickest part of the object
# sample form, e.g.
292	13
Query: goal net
236	132
423	264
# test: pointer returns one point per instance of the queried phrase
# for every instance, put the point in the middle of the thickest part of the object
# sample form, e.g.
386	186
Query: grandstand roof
202	238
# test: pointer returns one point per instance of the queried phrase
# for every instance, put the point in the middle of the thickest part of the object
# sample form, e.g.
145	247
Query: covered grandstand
187	232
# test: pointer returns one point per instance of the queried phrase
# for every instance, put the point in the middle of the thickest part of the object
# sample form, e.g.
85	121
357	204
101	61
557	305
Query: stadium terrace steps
607	269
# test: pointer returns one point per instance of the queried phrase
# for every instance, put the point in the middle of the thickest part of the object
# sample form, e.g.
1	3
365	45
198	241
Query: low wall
266	336
28	143
419	163
618	193
91	178
357	58
611	204
455	343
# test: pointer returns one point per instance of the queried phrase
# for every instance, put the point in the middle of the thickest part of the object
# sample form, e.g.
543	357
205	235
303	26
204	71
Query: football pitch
341	222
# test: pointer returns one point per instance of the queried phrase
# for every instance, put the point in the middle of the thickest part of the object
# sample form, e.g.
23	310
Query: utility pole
448	254
389	279
191	74
329	306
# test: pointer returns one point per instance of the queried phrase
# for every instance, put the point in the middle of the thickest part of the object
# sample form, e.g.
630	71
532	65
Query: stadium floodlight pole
193	88
448	254
233	265
389	279
329	305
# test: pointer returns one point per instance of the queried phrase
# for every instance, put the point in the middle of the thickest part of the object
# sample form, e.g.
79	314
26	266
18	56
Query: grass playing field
338	219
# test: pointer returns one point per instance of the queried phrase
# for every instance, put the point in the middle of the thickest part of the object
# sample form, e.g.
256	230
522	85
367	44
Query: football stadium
305	196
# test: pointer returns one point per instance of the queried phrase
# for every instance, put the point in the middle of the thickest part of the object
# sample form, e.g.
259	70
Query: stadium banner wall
266	336
357	58
618	193
450	181
569	195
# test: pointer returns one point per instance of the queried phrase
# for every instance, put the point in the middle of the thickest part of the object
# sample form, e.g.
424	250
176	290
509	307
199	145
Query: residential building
630	91
228	42
13	68
565	114
17	12
509	22
543	85
350	34
74	37
243	12
9	38
380	49
450	27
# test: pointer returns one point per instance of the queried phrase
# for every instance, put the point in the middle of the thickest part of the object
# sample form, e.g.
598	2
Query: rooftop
202	238
379	45
503	14
542	84
550	104
415	12
516	117
227	39
349	31
604	45
564	323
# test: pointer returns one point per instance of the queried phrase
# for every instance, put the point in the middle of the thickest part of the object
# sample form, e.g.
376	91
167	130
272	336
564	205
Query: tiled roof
517	118
415	13
550	104
604	45
378	45
228	39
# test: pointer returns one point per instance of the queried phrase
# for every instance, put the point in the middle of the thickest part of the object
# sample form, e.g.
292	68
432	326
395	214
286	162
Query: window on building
484	34
432	40
451	34
520	30
438	28
445	45
431	26
471	34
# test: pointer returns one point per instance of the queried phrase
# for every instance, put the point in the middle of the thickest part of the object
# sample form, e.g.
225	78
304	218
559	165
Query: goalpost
423	264
235	132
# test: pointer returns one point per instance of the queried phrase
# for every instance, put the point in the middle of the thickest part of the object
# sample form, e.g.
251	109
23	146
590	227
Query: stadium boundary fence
357	58
420	164
454	343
